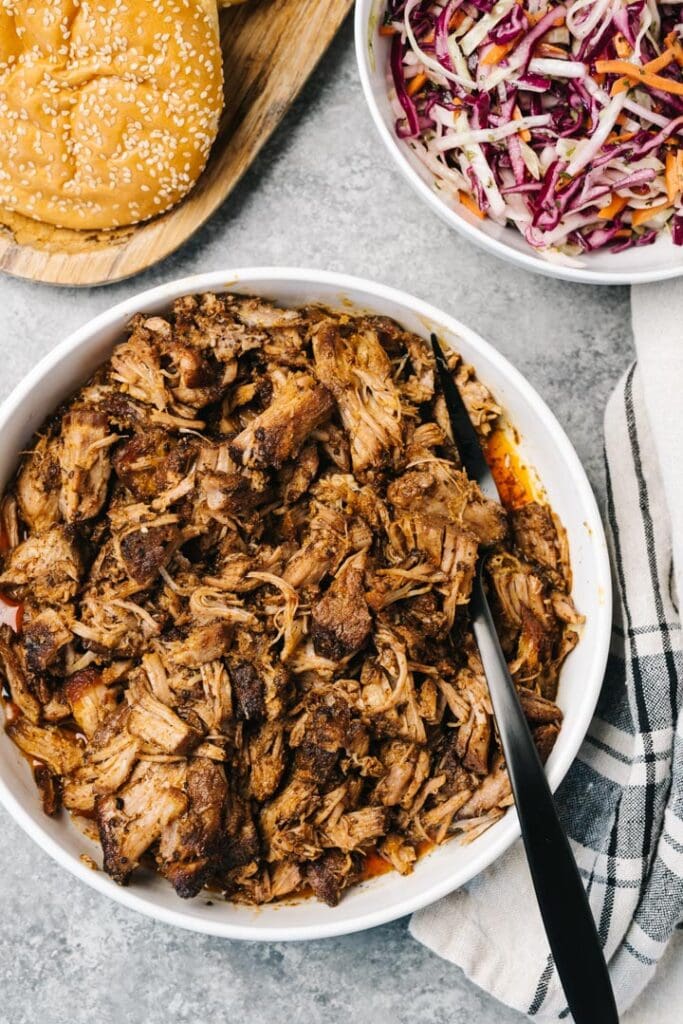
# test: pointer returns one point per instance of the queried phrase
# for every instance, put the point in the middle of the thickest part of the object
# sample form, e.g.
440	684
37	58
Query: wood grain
270	47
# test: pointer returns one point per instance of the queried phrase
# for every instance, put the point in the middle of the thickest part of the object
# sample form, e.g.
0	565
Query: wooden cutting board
270	47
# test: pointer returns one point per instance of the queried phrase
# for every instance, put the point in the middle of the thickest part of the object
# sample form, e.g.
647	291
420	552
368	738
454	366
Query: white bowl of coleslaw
502	236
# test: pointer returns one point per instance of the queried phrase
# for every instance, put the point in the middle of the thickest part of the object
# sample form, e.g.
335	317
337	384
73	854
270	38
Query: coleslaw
562	119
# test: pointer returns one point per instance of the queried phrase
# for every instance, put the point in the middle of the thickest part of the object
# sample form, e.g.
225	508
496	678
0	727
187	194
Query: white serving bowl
635	266
543	445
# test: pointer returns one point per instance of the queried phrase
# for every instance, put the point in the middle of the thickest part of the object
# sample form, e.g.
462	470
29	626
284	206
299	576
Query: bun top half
108	108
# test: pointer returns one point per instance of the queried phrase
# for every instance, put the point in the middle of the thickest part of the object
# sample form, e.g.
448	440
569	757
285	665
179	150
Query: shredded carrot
639	217
387	30
622	45
614	209
622	233
525	134
673	175
663	61
644	75
621	120
496	52
674	43
652	67
679	167
623	137
469	204
550	50
457	20
416	83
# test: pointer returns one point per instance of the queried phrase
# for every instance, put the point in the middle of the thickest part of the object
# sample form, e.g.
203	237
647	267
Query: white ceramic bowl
635	266
543	445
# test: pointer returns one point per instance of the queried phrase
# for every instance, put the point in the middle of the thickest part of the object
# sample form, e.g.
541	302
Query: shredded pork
244	553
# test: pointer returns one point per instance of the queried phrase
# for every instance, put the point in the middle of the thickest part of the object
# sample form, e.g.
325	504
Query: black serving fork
562	899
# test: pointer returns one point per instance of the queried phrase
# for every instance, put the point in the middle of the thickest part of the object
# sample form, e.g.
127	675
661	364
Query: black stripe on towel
650	544
638	681
542	987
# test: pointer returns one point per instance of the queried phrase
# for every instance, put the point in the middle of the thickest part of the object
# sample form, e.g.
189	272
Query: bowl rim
265	277
527	260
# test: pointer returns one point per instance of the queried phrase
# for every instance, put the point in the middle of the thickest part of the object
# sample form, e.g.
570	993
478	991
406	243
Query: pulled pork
244	553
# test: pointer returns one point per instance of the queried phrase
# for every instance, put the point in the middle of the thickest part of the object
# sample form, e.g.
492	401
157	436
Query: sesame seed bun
108	110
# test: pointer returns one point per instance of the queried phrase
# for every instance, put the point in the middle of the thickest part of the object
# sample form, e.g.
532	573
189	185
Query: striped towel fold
622	801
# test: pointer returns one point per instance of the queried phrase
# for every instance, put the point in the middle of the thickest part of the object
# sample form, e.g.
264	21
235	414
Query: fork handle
562	899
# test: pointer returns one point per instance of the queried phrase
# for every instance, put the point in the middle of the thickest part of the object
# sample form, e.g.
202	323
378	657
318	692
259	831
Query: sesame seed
93	102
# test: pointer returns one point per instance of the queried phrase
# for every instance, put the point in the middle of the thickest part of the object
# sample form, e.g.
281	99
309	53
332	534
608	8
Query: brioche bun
108	110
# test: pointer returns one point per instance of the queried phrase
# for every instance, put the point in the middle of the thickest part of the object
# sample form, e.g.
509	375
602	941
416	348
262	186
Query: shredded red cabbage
401	91
509	27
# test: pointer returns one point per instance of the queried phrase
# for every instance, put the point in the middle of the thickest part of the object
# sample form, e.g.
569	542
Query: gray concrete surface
323	194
